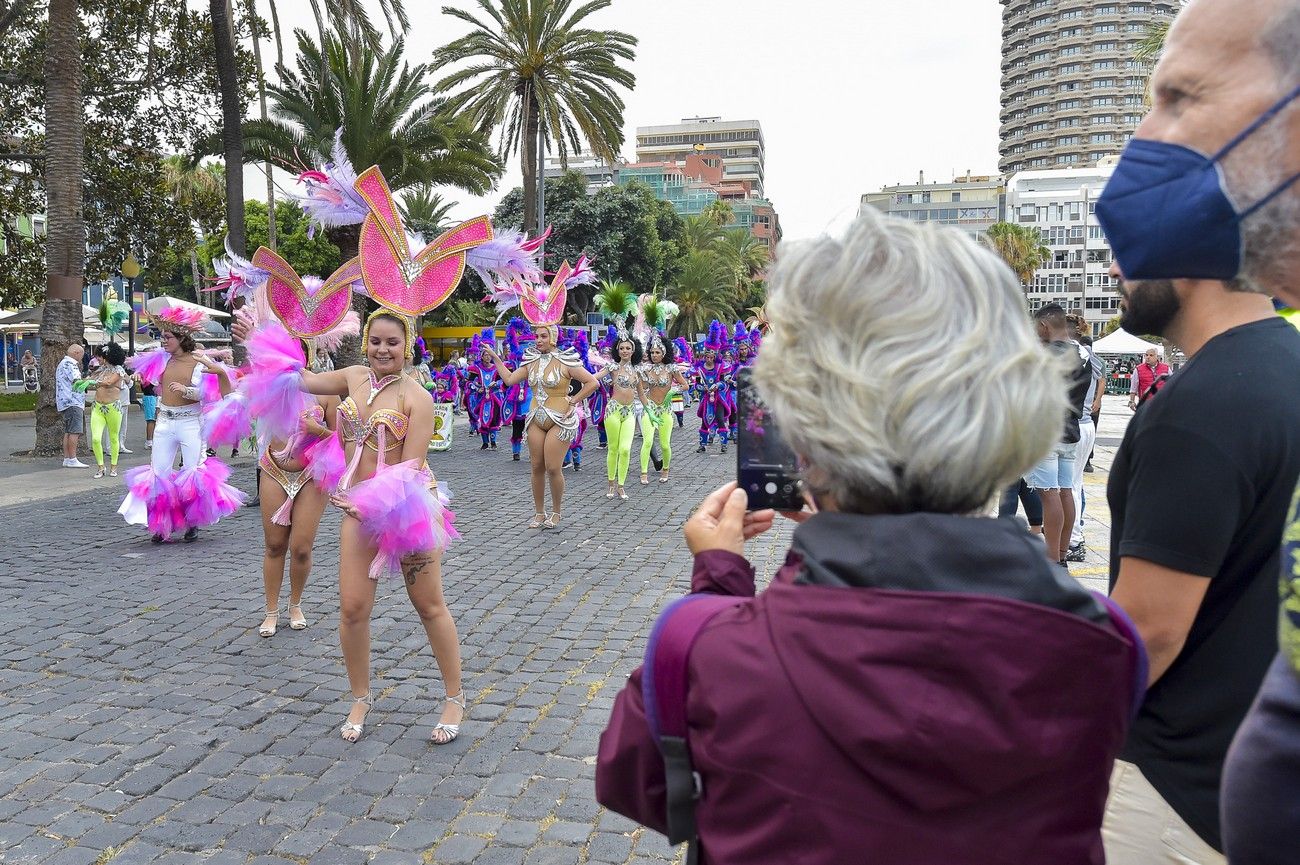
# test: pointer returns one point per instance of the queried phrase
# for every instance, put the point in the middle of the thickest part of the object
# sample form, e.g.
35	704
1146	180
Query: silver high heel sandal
300	623
450	731
269	630
356	729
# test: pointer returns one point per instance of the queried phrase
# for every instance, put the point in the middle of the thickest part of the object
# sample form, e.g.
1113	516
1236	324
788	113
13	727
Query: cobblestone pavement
146	721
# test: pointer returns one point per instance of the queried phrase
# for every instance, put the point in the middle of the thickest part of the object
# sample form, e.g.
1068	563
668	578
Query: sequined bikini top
545	374
624	376
354	429
657	375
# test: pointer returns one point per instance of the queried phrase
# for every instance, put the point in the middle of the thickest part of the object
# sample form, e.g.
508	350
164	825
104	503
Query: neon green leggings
664	428
105	415
620	425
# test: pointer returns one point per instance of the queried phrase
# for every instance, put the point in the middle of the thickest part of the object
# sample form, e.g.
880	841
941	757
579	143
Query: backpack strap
663	689
1129	631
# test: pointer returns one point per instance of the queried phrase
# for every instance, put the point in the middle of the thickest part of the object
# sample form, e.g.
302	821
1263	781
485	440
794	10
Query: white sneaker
123	450
75	464
66	462
147	446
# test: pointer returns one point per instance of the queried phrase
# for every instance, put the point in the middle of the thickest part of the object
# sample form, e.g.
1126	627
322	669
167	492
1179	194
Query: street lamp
130	272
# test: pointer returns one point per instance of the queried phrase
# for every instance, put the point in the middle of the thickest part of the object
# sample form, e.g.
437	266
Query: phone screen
766	468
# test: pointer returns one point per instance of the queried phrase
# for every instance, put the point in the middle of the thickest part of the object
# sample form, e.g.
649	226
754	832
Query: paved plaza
146	721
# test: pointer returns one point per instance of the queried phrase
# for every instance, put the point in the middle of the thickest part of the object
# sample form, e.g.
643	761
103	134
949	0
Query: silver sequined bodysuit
548	380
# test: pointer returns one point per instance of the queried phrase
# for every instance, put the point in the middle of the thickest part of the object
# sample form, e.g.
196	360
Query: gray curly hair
902	366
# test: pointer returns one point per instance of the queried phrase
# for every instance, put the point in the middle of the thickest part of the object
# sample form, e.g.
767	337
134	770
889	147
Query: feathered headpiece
617	301
236	276
331	200
541	304
485	339
517	333
113	316
180	320
684	353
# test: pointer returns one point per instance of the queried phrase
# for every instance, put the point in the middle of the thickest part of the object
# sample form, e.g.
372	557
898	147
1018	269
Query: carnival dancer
158	496
519	396
620	420
577	340
744	354
395	517
487	389
659	377
106	416
711	383
598	402
553	418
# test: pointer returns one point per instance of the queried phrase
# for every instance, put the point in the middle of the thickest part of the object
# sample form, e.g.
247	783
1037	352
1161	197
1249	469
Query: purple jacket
862	709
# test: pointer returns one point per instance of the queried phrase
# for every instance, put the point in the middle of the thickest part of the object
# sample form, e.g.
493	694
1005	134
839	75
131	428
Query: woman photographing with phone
910	658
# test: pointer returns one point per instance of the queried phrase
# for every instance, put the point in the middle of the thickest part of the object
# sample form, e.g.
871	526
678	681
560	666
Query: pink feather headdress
543	304
236	276
331	200
180	320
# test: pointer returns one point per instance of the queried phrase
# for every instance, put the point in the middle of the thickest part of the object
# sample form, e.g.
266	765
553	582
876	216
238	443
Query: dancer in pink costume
396	521
169	501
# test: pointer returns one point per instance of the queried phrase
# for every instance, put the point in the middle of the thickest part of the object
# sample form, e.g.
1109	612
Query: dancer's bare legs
422	573
356	601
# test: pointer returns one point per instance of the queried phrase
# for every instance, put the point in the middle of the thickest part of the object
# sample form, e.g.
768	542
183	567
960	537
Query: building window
1070	69
1070	51
1104	64
1099	119
1102	138
1105	28
1067	140
1100	101
1067	122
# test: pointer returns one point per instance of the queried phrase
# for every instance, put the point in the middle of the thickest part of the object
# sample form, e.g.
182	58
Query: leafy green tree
308	255
629	234
720	213
746	257
425	212
537	75
462	312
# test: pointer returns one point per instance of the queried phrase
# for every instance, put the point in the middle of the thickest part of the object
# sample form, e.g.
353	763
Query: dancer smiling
395	519
553	418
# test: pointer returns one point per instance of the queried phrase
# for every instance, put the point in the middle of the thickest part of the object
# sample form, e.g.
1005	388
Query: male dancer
159	496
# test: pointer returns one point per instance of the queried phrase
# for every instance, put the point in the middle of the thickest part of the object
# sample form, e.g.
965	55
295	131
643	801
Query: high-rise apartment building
737	143
1072	91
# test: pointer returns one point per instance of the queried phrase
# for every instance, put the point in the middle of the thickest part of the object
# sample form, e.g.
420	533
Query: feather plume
615	301
236	276
333	338
507	257
331	200
582	274
149	366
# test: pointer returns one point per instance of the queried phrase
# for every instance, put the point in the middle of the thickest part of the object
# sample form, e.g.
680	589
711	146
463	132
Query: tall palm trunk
528	152
65	243
348	239
261	96
232	115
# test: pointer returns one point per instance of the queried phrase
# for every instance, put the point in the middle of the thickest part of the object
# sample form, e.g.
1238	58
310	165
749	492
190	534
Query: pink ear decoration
307	306
401	515
327	462
149	366
331	200
227	421
274	384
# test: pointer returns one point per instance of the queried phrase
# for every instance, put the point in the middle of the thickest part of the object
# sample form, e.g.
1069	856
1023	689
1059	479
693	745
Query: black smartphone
766	468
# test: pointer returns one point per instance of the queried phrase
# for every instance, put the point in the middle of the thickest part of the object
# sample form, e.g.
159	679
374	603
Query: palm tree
540	77
701	233
196	188
425	212
703	292
1151	45
720	213
65	242
745	254
232	113
1021	247
388	117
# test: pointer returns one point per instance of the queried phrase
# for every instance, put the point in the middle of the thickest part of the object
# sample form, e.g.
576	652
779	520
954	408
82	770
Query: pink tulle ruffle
149	366
205	495
401	515
227	421
274	383
327	462
158	496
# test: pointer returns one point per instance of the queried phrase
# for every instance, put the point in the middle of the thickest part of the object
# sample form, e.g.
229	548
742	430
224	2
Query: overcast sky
852	96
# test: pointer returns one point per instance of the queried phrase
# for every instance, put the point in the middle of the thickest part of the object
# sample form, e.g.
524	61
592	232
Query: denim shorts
1055	471
72	419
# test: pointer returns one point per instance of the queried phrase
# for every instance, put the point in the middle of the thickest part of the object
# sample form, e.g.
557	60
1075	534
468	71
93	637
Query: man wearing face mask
1204	217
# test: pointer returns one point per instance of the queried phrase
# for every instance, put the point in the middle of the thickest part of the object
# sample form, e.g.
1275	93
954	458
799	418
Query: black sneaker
494	445
700	449
156	539
1076	553
577	467
483	447
515	457
724	447
191	536
1087	467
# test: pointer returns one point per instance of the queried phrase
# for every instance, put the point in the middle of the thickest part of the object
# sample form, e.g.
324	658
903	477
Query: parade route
146	721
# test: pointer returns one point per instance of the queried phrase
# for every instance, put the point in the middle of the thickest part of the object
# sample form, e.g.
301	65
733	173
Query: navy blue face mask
1166	210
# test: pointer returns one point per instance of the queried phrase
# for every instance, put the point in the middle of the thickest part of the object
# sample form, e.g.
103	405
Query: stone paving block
254	838
333	855
549	855
459	850
304	843
497	855
74	856
607	847
365	833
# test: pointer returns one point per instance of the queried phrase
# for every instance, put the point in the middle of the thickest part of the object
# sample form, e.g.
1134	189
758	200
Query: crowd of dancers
359	437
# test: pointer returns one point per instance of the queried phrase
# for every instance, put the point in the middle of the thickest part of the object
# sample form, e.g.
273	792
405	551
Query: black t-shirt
1202	484
1080	379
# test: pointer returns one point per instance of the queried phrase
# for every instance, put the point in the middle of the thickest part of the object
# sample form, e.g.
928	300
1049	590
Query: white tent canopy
1122	342
161	302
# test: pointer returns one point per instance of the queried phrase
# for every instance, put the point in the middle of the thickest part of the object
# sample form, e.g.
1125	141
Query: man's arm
1162	603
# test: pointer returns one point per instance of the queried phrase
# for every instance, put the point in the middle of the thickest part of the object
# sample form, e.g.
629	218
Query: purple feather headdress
332	200
507	258
237	277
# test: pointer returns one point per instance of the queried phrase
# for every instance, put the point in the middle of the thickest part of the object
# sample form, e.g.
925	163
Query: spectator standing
916	686
1149	377
70	403
1087	434
1200	487
1053	477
